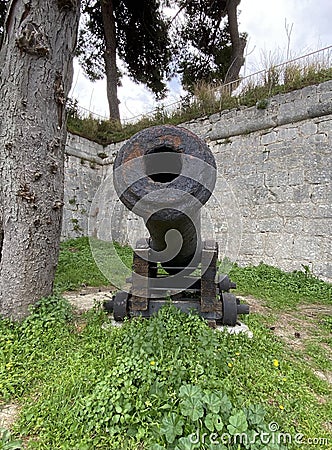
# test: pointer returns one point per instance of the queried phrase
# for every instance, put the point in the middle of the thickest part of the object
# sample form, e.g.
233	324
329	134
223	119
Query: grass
169	381
77	267
277	288
204	102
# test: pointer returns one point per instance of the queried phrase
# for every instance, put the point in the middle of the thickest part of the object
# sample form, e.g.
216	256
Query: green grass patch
169	382
281	289
77	263
153	383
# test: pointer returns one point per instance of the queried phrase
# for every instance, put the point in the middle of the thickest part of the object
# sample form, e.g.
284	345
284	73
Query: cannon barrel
165	174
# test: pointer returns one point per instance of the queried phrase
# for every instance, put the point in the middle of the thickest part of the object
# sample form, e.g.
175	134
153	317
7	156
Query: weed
72	201
157	383
262	104
76	266
279	289
7	442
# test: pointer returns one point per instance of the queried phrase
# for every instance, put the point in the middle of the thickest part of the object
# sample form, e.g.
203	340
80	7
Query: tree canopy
141	41
208	41
203	43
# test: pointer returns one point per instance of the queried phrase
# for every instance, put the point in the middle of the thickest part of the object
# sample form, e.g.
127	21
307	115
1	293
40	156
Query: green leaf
225	405
237	423
216	447
256	414
171	426
189	390
166	406
192	408
118	409
14	445
213	422
185	443
212	402
116	418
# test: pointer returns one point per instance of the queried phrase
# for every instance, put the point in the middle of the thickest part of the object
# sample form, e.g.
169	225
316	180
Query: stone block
252	244
267	211
305	248
279	246
323	270
325	126
317	140
318	227
282	194
286	134
324	97
279	178
325	87
320	109
308	128
268	138
318	175
293	225
291	112
321	211
301	194
214	118
292	210
308	91
296	177
274	225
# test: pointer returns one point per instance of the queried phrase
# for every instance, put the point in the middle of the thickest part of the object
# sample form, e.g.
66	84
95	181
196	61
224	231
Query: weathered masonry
272	200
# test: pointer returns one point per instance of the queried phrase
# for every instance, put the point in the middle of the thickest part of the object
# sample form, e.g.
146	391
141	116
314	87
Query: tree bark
36	73
110	58
238	43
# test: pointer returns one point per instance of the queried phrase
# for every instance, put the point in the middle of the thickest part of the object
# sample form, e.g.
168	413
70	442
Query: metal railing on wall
279	74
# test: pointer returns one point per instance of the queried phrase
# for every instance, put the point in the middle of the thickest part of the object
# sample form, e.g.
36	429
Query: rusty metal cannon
165	174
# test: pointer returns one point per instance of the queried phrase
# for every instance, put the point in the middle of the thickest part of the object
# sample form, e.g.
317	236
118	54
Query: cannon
165	174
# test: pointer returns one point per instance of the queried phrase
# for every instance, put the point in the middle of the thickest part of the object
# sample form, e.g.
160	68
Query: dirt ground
8	415
88	297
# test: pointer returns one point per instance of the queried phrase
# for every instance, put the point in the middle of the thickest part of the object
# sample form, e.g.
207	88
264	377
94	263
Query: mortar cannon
165	174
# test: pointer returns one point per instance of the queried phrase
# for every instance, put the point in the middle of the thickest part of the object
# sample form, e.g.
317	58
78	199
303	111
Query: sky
275	28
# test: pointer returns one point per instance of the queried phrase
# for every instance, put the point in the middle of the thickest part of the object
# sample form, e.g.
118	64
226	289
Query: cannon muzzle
165	174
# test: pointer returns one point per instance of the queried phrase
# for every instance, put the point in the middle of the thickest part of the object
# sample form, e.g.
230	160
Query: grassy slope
204	103
83	384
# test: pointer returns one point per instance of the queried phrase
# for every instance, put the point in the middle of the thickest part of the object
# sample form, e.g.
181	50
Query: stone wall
273	197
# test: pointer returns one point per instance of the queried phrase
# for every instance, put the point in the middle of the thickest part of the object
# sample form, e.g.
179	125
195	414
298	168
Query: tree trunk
238	43
36	73
110	58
